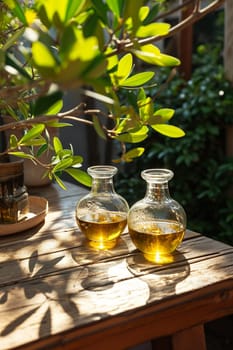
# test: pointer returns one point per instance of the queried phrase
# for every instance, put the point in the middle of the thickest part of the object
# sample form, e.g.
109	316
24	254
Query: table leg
191	339
161	344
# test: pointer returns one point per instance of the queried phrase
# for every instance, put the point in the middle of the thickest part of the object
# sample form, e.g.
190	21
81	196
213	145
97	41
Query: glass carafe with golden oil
157	222
102	214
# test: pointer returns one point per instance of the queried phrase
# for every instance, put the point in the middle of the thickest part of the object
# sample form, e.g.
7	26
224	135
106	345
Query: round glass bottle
102	214
157	222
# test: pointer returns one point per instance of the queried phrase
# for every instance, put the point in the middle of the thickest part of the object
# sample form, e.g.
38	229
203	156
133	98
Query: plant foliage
50	46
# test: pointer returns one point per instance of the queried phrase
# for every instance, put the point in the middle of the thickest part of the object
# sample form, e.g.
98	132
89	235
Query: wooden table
56	293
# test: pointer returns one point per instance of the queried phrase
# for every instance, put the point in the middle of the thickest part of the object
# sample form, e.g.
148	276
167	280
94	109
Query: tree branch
195	16
75	113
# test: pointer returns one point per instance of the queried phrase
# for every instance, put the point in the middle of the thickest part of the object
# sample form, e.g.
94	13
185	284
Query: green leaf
152	55
24	109
124	67
68	41
133	153
165	114
43	58
130	122
33	142
167	60
32	133
77	160
143	12
12	39
98	127
134	137
101	9
154	11
59	12
62	165
92	26
81	59
12	112
17	10
45	12
56	124
57	145
42	149
112	61
115	6
48	104
59	182
73	8
13	141
22	155
63	154
145	108
137	79
141	94
168	130
80	176
75	46
153	29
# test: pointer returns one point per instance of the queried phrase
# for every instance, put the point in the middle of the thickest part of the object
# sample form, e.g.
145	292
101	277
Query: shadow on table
161	279
97	263
98	274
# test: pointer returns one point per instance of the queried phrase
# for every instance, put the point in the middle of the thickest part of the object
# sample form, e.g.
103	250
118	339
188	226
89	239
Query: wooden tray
38	208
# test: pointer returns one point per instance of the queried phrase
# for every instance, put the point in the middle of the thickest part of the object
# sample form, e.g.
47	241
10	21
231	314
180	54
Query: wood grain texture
58	293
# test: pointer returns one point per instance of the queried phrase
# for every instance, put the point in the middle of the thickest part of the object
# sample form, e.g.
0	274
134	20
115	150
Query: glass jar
13	194
157	222
102	214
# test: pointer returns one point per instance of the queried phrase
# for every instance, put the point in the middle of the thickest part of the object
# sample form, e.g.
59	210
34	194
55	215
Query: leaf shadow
18	321
45	324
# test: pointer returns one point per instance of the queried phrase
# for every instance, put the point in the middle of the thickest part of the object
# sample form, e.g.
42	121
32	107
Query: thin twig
194	17
72	114
173	10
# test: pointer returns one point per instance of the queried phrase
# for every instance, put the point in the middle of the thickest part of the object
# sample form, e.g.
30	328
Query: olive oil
157	238
102	227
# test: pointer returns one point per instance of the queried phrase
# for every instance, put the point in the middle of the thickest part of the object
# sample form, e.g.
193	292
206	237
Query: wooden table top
55	292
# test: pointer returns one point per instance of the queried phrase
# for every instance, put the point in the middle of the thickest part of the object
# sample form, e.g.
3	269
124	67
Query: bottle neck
102	185
157	191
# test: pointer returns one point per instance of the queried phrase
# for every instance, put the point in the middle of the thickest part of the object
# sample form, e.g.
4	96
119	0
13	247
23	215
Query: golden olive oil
102	227
157	237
